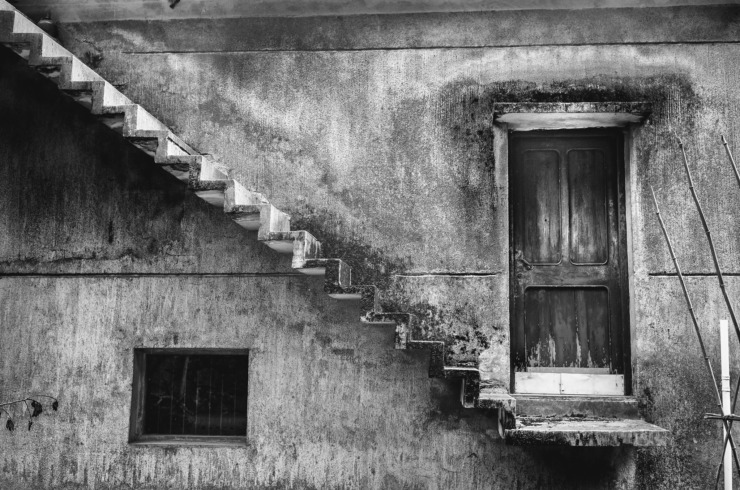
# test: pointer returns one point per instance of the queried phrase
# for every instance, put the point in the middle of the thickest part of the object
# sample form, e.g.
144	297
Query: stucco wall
95	10
386	155
104	253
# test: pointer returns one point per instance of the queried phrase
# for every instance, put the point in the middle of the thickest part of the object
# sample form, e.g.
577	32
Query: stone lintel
527	116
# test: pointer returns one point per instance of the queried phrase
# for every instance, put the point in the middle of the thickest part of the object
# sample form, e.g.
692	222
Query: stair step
114	117
493	399
205	178
21	49
208	182
436	350
337	272
247	216
150	142
353	292
622	407
83	92
179	166
578	431
460	372
211	192
405	324
25	45
53	68
112	100
282	242
469	386
301	244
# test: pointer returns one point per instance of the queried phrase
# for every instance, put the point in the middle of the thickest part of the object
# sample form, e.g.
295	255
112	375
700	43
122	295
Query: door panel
566	327
541	207
568	248
588	203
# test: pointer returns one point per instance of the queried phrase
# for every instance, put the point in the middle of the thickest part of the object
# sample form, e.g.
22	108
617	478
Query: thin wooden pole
737	177
696	329
713	250
732	160
737	384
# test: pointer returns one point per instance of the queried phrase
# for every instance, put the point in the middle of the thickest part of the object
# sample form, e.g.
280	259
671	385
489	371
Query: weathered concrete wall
96	10
386	154
331	403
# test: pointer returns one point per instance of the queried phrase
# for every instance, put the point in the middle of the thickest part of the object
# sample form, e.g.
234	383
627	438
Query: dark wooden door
568	251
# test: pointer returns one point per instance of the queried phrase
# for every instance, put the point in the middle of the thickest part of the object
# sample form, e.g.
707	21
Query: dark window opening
183	395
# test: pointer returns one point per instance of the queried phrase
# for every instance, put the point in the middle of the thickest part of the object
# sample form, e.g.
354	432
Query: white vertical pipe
724	348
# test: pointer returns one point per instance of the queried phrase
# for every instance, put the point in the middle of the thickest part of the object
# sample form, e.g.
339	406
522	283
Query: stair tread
289	235
625	407
209	181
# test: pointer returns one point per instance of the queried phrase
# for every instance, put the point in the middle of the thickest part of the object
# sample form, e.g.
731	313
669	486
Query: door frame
600	383
625	117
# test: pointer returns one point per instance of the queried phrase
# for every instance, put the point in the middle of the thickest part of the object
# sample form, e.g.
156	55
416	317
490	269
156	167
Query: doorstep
582	420
623	407
575	431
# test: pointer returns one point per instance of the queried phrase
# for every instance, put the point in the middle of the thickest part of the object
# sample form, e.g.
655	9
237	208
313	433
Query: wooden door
568	262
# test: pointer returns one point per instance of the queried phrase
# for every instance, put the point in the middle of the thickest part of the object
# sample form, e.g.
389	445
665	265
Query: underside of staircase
542	421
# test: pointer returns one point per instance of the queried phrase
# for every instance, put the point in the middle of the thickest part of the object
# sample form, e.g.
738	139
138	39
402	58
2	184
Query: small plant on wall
33	407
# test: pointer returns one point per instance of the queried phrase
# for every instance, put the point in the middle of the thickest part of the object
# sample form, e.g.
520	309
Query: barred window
189	396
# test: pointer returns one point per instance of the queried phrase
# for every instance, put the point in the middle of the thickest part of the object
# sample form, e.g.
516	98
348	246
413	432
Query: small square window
189	396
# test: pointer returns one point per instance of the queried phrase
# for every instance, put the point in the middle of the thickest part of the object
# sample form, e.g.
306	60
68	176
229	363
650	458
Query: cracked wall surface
331	403
383	146
89	10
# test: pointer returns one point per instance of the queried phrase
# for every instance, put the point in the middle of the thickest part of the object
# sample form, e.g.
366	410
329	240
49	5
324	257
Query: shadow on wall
463	122
579	467
464	114
79	198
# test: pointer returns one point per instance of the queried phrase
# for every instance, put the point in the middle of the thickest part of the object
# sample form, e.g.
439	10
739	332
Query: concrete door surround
528	116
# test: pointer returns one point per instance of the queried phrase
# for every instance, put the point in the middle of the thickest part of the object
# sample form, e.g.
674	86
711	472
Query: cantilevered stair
211	182
541	421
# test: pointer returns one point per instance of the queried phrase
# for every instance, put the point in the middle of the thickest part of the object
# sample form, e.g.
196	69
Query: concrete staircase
211	182
523	419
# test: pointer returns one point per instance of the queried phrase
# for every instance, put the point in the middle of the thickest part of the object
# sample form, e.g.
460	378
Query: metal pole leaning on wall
698	332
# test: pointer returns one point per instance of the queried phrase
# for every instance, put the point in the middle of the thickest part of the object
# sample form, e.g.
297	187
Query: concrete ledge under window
181	441
527	116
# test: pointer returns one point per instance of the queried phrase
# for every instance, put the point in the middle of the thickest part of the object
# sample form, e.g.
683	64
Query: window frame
138	395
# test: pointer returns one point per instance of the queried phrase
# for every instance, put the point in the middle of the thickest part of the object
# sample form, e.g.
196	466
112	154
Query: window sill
189	441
